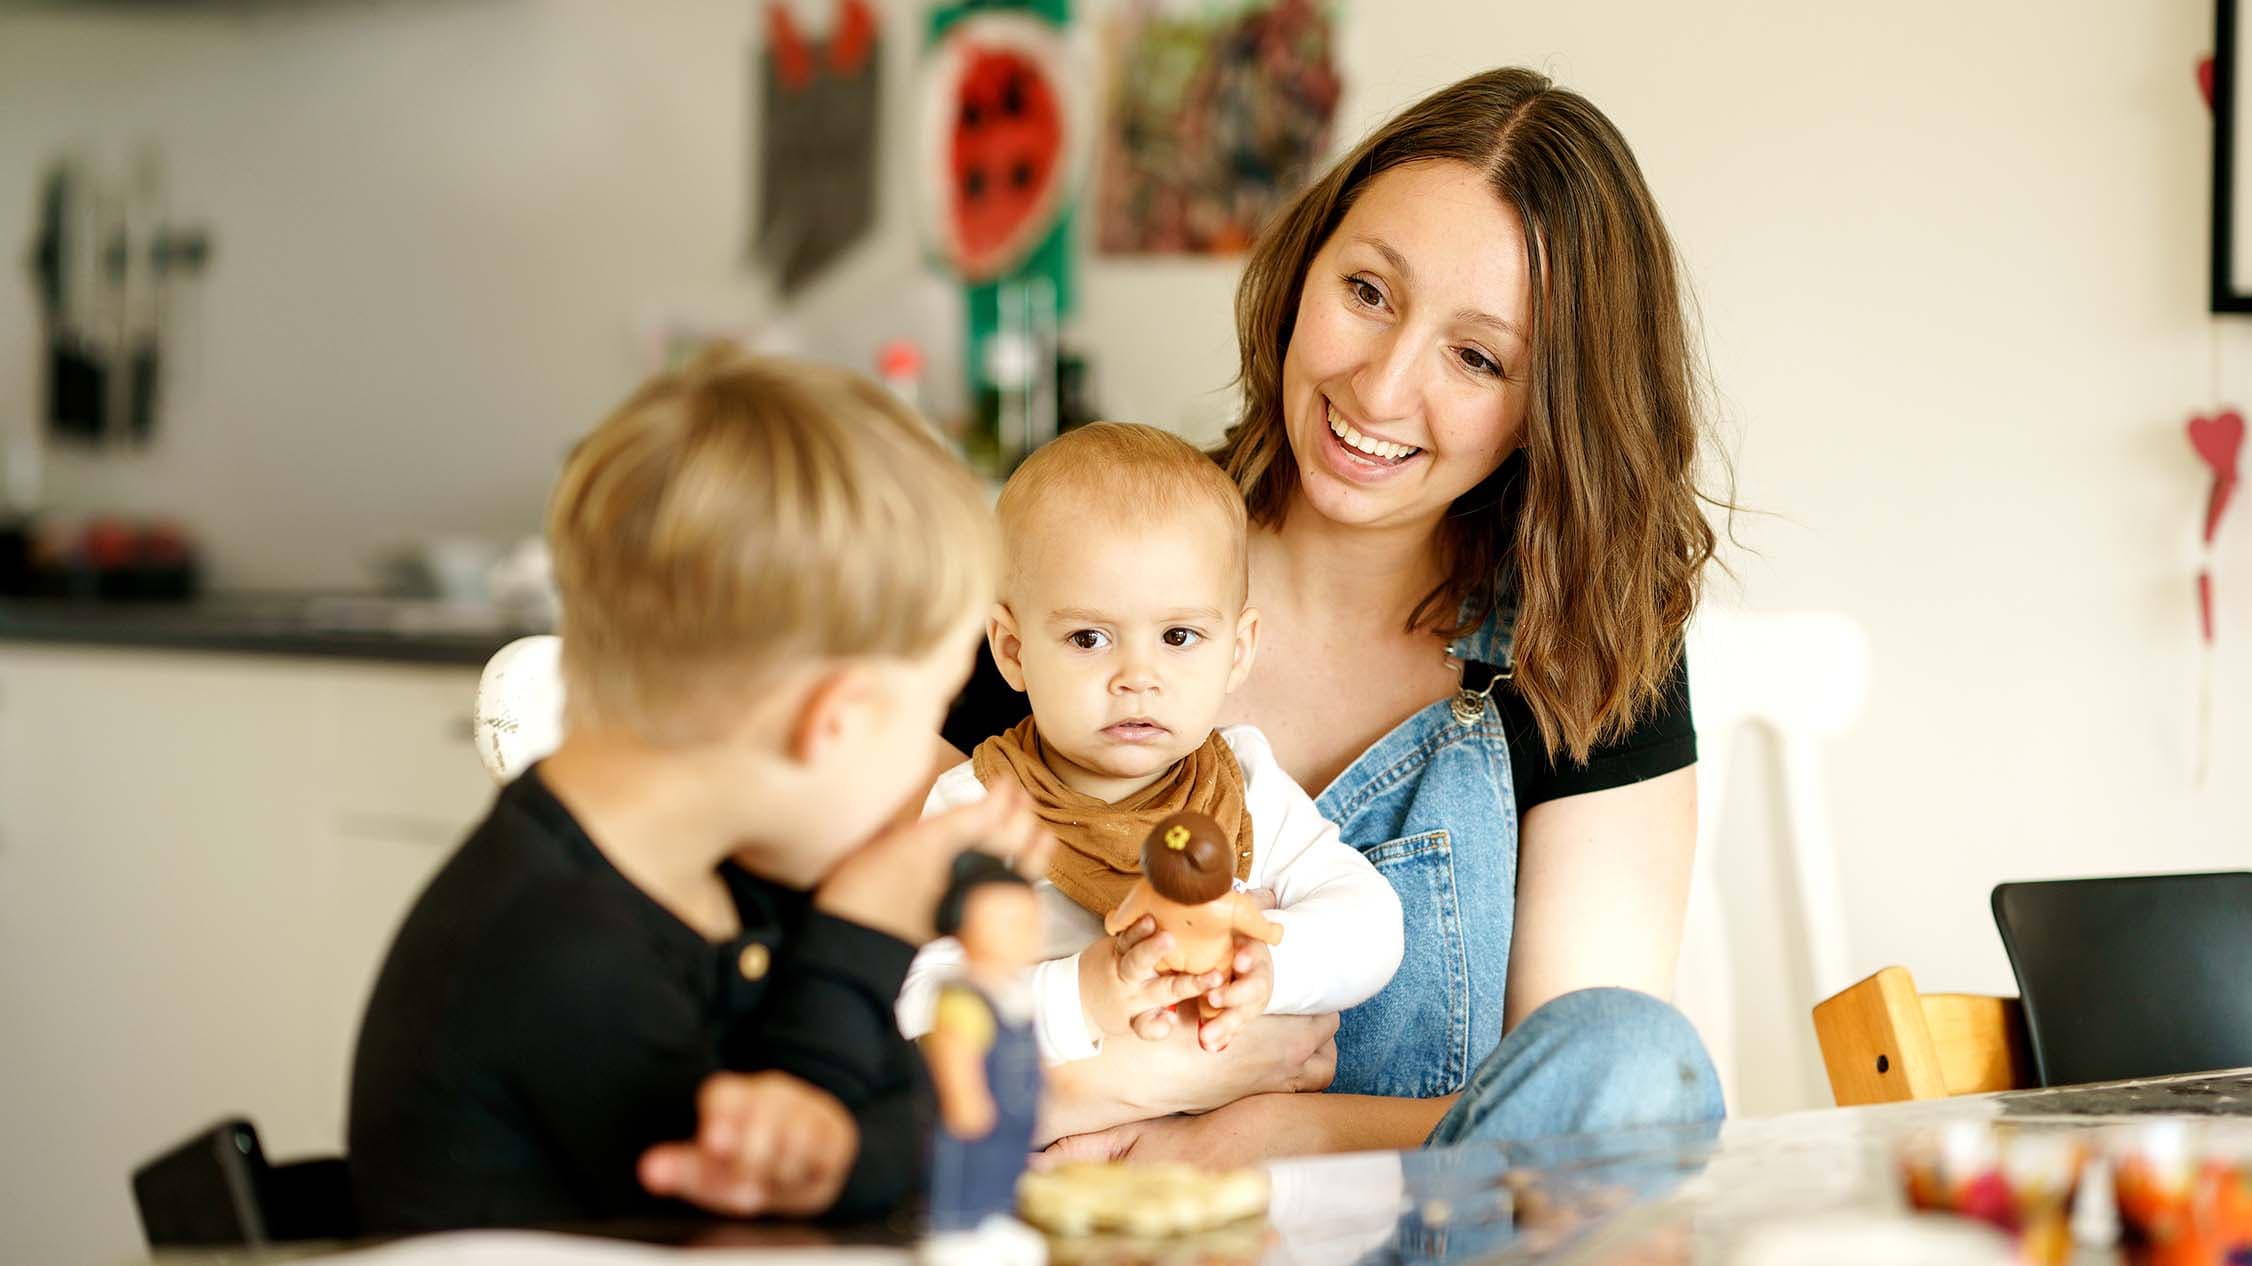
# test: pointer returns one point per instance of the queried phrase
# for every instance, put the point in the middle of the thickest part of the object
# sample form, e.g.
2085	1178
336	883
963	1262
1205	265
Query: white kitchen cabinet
202	860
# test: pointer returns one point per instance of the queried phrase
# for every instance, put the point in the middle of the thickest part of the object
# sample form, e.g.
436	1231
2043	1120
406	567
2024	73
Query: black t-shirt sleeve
1665	741
595	1036
889	1165
987	706
828	1020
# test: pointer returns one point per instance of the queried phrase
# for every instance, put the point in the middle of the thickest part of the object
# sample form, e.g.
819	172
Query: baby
1124	618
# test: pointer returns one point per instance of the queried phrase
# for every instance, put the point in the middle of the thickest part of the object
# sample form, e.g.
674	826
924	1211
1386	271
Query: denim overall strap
1487	657
1432	806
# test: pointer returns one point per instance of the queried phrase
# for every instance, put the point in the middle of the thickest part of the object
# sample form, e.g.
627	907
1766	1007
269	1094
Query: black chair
2132	977
218	1189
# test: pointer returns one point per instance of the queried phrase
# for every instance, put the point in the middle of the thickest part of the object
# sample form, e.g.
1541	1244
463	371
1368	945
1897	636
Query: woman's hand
1223	1138
1264	1127
1129	1081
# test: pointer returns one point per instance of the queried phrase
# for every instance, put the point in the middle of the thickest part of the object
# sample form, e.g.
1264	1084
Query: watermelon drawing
1001	129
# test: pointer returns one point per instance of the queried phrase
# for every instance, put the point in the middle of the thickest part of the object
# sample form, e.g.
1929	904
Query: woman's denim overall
1433	806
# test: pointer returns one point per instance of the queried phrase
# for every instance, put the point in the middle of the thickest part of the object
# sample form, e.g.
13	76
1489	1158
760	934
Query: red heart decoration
2217	503
2217	439
2205	80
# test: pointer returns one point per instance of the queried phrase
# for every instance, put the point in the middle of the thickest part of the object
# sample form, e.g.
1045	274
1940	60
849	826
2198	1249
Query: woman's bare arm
1133	1079
1267	1127
1602	881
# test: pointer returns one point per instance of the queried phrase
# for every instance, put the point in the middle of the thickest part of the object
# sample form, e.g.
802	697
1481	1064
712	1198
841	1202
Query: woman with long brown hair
1468	445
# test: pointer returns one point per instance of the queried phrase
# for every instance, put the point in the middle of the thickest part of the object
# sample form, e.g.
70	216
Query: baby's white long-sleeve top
1342	940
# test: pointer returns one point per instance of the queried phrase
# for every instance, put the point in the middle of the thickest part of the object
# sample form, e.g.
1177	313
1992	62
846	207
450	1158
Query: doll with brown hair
1188	889
985	1070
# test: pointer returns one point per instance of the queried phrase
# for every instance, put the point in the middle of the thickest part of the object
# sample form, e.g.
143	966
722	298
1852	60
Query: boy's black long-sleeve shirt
540	1022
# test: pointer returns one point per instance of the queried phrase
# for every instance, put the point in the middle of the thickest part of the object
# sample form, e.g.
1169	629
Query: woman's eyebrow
1469	316
1394	258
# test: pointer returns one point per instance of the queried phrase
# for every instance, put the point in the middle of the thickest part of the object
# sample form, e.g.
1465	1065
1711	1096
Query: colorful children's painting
1217	112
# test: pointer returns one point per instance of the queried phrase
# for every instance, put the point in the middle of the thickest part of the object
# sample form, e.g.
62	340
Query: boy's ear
1007	644
1246	647
834	707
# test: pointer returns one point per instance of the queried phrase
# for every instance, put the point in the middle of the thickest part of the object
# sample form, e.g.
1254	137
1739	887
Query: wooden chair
1883	1042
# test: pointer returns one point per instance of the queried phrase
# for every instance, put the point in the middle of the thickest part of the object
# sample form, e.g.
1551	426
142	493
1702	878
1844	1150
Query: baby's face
1127	640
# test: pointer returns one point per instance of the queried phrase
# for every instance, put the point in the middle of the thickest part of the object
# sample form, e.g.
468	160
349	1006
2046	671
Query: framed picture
2232	165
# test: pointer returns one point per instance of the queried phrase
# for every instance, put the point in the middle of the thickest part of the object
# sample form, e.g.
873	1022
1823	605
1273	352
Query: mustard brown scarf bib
1100	856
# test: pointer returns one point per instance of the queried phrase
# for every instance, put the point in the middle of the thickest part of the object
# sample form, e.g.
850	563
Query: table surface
1811	1189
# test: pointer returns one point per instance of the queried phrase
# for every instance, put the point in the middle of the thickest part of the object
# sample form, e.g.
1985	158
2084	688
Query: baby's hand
1119	980
765	1143
1241	1000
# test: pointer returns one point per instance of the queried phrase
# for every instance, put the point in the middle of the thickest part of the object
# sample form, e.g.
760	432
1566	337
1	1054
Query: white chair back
519	714
1804	676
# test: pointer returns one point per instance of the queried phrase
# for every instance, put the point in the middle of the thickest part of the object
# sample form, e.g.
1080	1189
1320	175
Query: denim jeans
1611	1063
1591	1061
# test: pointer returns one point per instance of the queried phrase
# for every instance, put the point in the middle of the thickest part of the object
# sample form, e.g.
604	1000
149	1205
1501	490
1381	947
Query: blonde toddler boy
664	965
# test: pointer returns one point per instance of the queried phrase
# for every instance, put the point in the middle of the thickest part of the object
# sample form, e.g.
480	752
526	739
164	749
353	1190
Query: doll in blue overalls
985	1068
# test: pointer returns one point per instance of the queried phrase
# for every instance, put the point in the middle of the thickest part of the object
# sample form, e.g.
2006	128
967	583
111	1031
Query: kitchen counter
328	626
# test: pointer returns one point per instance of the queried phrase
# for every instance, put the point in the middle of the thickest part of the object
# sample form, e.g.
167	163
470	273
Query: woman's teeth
1383	450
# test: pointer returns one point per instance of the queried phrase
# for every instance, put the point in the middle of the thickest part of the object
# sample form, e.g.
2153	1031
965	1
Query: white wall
443	228
1951	262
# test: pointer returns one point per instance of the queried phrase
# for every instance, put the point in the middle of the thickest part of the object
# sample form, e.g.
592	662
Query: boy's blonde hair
1113	473
743	516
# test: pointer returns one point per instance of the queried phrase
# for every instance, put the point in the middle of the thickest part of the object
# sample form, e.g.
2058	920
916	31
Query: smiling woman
1492	264
1467	452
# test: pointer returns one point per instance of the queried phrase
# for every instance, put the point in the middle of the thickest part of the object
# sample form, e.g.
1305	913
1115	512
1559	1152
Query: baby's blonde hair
1116	473
743	516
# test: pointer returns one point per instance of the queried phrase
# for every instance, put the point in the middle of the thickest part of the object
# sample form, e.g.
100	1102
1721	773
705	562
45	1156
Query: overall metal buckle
1476	685
1475	689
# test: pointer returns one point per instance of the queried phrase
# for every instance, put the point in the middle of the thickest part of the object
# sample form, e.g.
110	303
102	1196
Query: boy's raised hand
893	882
1120	986
1242	999
765	1143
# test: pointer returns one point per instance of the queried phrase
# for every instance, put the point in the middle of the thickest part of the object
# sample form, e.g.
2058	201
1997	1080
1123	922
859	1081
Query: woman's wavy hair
1595	521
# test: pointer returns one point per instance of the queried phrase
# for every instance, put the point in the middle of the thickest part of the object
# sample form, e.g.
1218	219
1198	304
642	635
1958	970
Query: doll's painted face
1000	930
